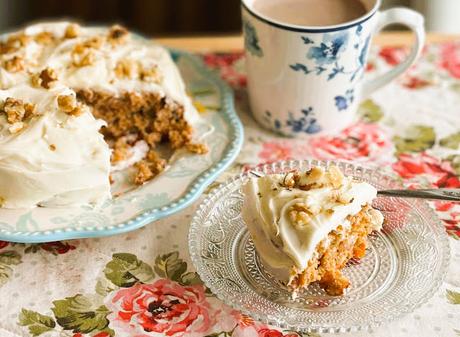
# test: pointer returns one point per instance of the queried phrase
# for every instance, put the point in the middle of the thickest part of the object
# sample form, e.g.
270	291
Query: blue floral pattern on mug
251	40
326	54
305	123
342	102
329	49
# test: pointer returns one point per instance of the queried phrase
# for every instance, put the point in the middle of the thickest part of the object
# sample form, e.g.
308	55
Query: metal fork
447	194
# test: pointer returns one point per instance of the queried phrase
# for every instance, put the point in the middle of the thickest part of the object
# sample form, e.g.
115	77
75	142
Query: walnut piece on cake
47	77
17	113
72	31
14	64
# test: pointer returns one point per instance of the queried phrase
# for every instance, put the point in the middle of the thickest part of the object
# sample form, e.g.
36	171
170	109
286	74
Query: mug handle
415	22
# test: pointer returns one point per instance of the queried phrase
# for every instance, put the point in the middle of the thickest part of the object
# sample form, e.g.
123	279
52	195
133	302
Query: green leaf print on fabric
80	314
370	112
453	296
418	138
104	287
7	259
125	270
171	266
452	141
35	322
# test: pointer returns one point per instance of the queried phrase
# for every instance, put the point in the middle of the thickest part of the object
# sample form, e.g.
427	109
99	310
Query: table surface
143	284
235	42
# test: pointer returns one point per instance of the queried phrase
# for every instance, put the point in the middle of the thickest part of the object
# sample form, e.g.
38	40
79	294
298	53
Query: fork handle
448	194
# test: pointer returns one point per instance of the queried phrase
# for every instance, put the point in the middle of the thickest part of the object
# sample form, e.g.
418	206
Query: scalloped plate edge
197	186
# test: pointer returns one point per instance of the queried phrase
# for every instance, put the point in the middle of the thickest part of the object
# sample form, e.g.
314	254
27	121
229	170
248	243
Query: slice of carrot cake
307	225
129	85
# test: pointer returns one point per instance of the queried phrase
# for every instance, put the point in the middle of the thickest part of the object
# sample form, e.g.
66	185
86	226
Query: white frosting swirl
281	243
56	159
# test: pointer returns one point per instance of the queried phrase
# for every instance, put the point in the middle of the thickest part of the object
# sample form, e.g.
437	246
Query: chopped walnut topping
67	102
52	147
334	176
72	31
14	64
86	58
300	214
17	112
35	80
312	178
77	111
29	110
117	34
14	110
44	38
94	42
126	68
151	75
16	127
83	53
290	179
197	148
14	43
48	77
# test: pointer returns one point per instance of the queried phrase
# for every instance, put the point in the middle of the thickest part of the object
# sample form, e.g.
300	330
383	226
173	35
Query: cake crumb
143	172
120	151
197	148
52	147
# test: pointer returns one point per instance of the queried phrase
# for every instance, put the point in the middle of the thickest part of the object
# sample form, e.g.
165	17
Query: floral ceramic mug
308	80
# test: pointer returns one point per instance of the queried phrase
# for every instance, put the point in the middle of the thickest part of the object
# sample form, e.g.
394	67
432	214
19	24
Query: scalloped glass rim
195	189
239	300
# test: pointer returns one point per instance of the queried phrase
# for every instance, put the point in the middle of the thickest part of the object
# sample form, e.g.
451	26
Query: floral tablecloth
142	283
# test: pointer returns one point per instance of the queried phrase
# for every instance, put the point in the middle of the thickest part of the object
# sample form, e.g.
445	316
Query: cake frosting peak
291	213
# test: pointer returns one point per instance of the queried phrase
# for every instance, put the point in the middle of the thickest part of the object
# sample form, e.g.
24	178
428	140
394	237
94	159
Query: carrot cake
306	226
102	100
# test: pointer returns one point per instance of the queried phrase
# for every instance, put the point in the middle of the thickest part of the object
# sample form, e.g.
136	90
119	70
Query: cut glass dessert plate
404	264
177	187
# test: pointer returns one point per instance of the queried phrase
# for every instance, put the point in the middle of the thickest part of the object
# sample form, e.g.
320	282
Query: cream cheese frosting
281	240
100	75
56	159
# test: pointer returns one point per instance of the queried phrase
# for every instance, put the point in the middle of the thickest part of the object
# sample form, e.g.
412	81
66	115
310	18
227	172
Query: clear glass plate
404	265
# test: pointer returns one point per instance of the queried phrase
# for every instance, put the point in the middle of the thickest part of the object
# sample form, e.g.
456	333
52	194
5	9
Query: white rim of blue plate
196	188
